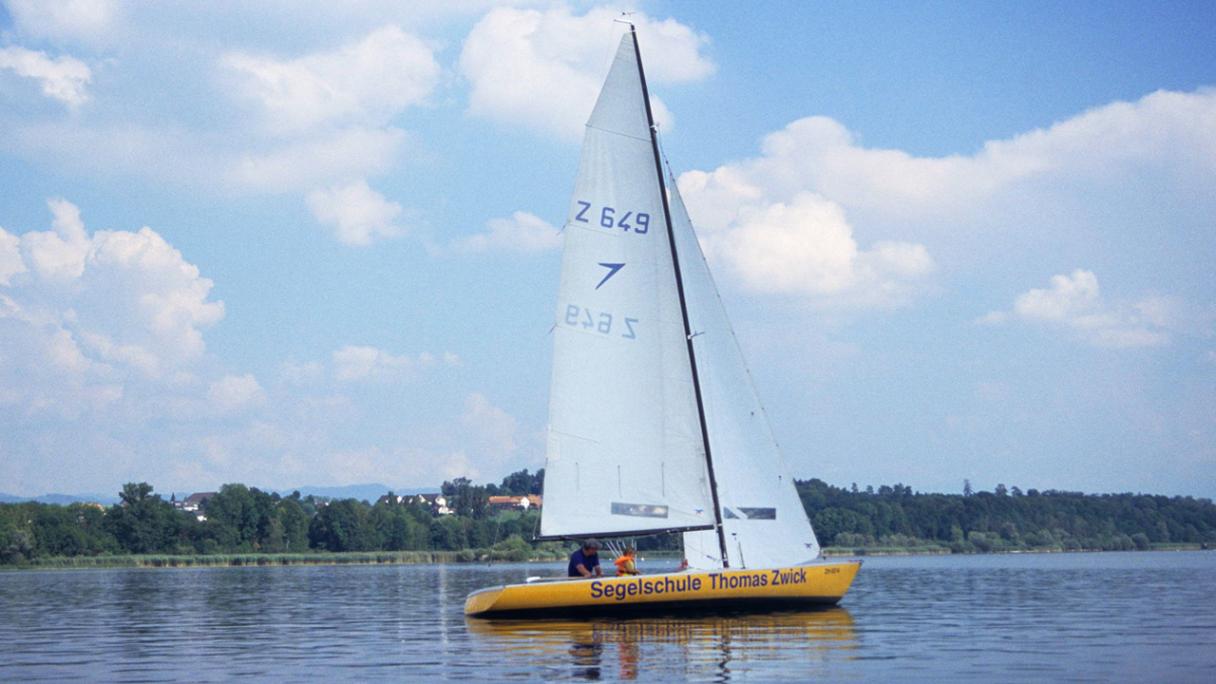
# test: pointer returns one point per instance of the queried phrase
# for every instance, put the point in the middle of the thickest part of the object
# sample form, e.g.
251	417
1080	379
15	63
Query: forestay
765	523
625	453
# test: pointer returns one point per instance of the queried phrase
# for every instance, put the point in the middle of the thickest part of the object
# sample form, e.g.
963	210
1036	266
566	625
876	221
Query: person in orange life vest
625	563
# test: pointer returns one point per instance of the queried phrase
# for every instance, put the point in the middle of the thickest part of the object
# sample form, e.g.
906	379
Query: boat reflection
703	647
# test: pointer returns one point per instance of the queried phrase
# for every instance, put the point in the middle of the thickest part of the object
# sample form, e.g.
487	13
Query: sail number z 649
610	217
601	322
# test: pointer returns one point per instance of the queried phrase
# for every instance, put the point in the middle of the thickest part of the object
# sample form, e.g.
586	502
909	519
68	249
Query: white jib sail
765	523
625	452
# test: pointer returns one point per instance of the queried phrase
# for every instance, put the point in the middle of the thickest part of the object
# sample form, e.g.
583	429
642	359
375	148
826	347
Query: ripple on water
1032	617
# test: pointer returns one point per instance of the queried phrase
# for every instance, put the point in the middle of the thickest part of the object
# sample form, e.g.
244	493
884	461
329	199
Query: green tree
465	498
343	526
239	518
145	523
294	520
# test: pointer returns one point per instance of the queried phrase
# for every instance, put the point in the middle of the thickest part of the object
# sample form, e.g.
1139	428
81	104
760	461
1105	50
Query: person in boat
585	561
625	563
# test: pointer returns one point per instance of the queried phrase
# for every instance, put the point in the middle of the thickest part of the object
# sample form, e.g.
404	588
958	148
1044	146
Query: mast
692	355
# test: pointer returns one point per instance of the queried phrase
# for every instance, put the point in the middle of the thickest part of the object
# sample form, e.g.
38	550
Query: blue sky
295	244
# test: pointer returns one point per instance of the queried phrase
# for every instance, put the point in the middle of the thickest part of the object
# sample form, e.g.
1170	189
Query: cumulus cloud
358	215
805	248
543	68
11	262
399	465
496	426
320	158
234	392
82	314
1074	302
363	363
301	372
784	221
364	83
521	232
86	20
63	78
818	154
321	119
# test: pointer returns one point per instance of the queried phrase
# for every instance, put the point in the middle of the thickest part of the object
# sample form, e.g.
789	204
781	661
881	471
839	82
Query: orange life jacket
625	566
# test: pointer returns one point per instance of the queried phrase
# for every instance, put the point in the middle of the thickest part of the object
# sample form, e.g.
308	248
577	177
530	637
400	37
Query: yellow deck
815	583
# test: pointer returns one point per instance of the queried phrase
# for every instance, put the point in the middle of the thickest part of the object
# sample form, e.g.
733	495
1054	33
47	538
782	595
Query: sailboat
654	424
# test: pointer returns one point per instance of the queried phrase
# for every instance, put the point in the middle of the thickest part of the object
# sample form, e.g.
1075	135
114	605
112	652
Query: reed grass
276	559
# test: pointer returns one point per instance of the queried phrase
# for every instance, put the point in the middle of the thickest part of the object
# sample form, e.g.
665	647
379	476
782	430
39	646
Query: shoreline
468	556
863	551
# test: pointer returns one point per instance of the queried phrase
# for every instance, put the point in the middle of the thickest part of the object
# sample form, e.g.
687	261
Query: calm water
1113	616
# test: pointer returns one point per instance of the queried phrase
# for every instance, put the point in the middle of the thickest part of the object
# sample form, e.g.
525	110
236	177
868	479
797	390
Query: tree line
1004	519
241	519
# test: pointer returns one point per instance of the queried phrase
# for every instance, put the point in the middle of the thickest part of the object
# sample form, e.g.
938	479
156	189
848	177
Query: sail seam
612	132
623	533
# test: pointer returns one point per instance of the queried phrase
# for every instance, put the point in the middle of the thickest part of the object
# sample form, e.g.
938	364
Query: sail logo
601	322
612	270
610	217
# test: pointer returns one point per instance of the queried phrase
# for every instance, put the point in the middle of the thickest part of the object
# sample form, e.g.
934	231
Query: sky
289	244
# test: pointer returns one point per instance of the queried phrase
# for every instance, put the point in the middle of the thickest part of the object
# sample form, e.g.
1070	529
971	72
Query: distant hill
61	499
362	492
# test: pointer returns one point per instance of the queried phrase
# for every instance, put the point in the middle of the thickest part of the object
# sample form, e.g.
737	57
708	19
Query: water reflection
701	647
1097	617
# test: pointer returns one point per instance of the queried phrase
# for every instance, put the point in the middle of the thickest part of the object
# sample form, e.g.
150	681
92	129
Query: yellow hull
764	589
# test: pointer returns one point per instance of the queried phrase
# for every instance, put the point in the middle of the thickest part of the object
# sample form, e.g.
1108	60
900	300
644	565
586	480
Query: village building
438	503
196	503
514	502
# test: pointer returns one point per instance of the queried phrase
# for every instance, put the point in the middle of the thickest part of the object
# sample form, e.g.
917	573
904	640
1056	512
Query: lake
1086	616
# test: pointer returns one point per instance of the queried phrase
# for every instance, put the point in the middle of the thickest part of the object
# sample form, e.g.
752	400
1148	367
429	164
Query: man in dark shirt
585	562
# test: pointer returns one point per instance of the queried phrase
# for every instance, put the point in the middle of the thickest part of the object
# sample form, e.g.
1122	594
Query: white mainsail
764	520
625	450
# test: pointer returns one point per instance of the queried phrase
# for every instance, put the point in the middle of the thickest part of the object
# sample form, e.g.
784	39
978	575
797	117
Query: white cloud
544	68
321	119
492	430
522	232
805	248
396	465
63	78
65	19
234	392
302	373
11	262
363	363
818	154
231	163
783	222
1074	302
364	83
358	214
321	158
83	315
